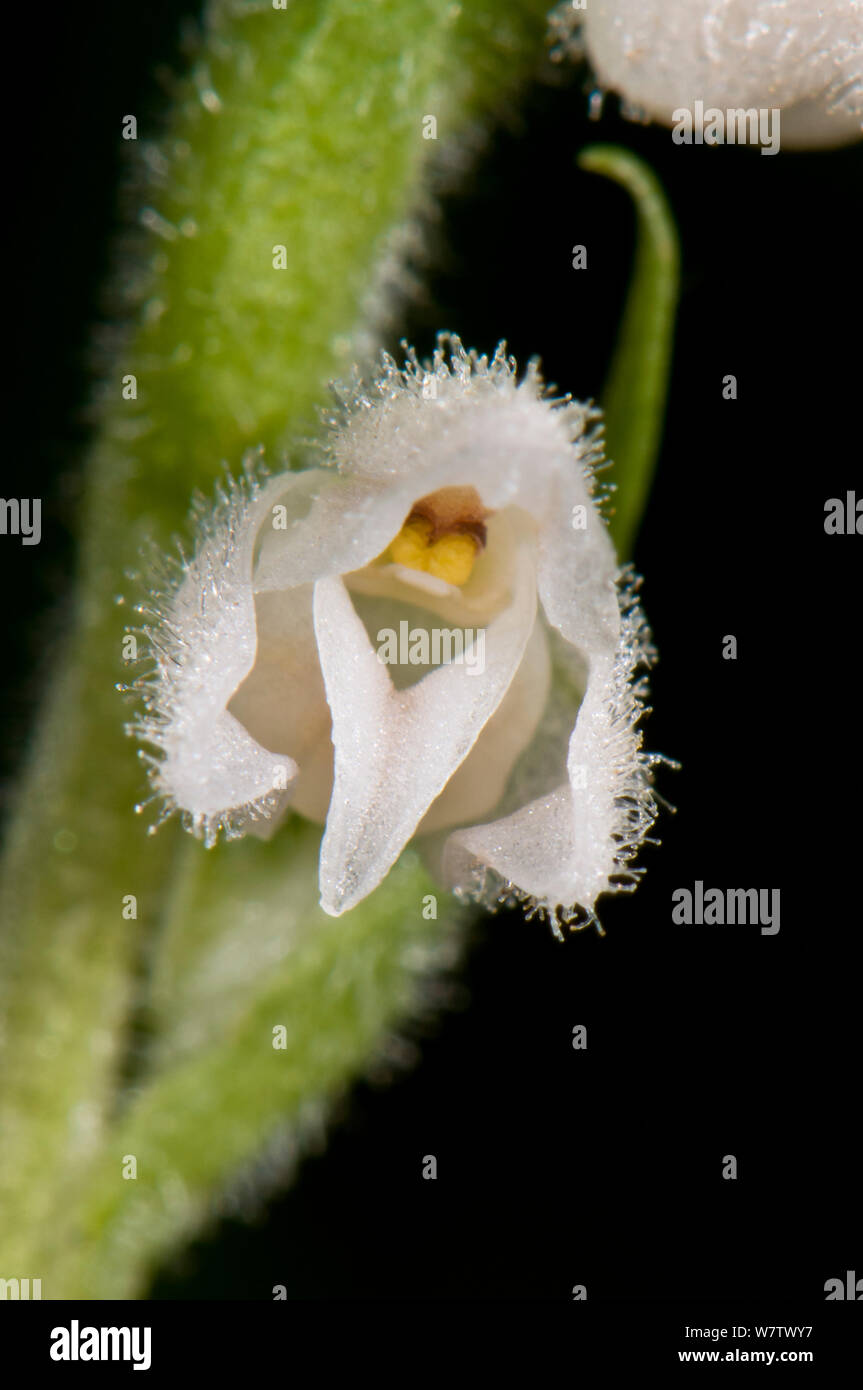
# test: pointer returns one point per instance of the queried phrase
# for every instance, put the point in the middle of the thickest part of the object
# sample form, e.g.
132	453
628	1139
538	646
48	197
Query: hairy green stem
274	206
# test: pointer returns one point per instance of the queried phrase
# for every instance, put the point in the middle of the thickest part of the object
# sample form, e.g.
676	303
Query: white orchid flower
456	495
802	58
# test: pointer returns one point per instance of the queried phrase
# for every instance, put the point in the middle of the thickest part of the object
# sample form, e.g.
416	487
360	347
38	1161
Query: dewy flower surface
307	658
801	57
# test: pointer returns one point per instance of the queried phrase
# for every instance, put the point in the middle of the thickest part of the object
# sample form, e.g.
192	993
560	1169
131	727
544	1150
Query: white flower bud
803	59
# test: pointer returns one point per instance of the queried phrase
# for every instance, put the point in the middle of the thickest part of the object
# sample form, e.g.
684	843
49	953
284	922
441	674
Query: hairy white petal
211	768
396	750
334	525
804	58
577	567
561	851
532	848
481	427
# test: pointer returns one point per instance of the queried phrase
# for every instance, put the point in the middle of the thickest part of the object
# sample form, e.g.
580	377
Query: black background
559	1167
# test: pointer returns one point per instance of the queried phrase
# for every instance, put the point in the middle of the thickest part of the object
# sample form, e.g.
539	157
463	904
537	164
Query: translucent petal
211	768
477	786
282	702
564	849
486	432
802	58
396	750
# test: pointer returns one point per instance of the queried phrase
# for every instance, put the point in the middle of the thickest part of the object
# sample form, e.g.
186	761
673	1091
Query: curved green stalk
636	388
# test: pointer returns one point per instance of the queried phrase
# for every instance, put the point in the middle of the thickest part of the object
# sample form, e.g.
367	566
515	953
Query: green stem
301	128
635	391
340	990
